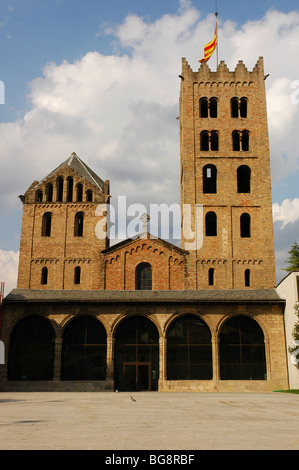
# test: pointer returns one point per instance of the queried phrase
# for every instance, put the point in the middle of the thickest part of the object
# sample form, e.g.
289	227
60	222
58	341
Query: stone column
110	362
216	358
57	359
162	362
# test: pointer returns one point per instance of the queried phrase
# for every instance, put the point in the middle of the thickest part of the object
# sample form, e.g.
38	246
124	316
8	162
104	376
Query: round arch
136	354
31	350
84	349
242	349
189	349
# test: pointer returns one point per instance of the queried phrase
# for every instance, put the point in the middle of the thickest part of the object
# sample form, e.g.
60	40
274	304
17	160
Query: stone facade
227	252
157	316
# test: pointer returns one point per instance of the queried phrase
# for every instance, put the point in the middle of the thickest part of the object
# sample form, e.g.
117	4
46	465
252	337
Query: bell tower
225	168
59	248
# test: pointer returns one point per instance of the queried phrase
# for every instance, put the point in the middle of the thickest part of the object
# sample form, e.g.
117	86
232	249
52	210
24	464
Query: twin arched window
208	107
240	141
209	140
239	107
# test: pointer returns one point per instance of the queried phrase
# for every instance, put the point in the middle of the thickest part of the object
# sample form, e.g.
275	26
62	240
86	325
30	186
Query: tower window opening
44	276
47	224
243	178
204	141
236	141
203	105
59	189
210	179
211	224
245	223
49	192
247	277
234	104
214	141
39	196
77	275
245	141
243	107
79	192
213	107
89	195
70	185
79	221
211	276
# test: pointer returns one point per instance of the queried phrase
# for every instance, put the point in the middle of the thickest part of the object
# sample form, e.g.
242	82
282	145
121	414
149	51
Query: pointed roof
77	165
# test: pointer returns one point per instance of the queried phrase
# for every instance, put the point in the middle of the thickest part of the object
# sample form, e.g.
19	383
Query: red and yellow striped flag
210	47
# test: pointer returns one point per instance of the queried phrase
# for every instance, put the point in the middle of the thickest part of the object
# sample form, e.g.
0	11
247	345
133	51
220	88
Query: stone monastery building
144	314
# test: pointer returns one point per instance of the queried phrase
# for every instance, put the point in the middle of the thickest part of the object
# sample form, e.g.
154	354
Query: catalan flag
210	47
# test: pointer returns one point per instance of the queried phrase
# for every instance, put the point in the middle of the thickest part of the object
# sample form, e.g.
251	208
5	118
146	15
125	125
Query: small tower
225	167
59	247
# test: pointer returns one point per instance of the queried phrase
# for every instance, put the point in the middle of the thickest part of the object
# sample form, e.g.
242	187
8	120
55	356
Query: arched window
243	177
203	107
70	184
49	192
136	357
214	141
242	350
243	107
79	192
84	350
44	276
211	276
236	141
245	225
209	174
79	222
206	105
213	107
47	224
31	350
189	349
234	106
144	277
247	277
59	189
39	196
245	141
238	107
89	195
211	224
204	141
77	275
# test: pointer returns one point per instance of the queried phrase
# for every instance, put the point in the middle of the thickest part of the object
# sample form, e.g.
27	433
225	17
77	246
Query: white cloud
287	212
9	261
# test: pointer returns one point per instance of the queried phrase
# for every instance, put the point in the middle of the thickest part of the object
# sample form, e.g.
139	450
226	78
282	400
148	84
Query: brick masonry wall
228	248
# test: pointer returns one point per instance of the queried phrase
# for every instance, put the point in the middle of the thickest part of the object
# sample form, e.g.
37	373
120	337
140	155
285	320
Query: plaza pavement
155	421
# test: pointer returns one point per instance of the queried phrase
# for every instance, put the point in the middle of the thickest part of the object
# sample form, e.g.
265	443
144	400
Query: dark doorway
242	350
136	362
84	350
189	349
31	351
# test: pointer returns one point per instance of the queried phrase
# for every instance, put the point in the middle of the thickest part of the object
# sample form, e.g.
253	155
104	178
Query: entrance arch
189	349
31	350
242	350
136	358
84	349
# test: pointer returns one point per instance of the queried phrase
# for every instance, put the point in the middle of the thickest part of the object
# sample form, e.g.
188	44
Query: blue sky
49	46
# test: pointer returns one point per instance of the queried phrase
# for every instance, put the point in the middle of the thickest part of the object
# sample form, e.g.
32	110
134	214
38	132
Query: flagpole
216	15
